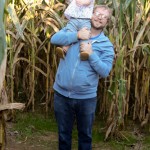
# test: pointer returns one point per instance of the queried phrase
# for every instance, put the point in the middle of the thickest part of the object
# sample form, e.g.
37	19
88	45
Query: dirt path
47	141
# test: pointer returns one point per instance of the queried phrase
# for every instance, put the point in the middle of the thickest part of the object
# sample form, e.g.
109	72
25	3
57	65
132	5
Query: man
77	80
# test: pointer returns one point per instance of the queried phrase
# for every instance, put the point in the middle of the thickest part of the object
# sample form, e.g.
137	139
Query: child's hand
83	2
65	48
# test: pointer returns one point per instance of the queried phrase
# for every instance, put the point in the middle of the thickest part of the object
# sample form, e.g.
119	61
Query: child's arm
83	2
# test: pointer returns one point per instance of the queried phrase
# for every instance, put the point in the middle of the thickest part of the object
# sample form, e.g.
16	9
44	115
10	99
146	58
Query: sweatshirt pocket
80	81
63	77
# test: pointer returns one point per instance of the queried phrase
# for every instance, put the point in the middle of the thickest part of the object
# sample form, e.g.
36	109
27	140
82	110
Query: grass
31	124
28	122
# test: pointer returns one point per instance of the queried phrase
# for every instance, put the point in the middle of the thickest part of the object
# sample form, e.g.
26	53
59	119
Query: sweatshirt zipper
73	75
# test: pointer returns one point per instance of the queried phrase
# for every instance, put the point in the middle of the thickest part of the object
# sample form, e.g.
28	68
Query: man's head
101	16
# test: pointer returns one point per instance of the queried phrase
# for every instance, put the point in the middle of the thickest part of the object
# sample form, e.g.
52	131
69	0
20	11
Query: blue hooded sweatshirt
76	78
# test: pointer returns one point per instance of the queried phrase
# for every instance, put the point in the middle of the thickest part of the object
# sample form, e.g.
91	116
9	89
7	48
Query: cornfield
32	63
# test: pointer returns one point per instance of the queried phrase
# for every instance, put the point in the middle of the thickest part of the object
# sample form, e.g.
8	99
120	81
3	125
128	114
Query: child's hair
104	7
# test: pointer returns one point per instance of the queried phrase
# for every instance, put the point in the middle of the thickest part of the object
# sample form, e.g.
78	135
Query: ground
48	141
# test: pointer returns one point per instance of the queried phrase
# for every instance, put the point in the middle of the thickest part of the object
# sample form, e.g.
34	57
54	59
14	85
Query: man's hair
104	7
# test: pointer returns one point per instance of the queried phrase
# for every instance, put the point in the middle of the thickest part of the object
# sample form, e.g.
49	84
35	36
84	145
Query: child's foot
84	56
60	52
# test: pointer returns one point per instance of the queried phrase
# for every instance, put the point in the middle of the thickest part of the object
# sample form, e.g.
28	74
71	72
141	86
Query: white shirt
75	11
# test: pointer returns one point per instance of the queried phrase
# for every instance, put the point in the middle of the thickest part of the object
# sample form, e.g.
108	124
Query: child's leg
65	48
84	56
59	52
71	26
84	23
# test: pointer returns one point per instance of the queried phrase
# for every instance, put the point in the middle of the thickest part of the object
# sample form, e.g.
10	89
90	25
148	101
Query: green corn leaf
127	3
2	31
15	20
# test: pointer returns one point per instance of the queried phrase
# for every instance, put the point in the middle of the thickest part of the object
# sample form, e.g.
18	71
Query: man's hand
84	34
86	47
83	2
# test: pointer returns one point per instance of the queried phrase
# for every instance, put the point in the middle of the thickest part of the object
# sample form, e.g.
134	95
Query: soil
49	141
46	141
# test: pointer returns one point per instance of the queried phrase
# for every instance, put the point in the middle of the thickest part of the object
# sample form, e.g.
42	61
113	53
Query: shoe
60	52
84	56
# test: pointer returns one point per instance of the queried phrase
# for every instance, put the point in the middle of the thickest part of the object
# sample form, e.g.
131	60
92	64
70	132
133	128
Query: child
79	13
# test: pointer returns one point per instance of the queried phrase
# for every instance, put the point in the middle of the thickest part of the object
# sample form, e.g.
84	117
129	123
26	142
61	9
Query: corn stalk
3	58
129	33
3	96
34	63
31	49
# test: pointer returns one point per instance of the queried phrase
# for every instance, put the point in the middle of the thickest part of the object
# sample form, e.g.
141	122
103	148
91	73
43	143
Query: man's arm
103	64
64	37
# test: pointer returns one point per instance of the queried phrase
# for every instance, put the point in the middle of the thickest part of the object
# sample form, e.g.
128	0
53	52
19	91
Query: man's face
99	18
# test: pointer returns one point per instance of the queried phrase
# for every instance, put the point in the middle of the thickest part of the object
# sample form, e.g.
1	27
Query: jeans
75	24
66	111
